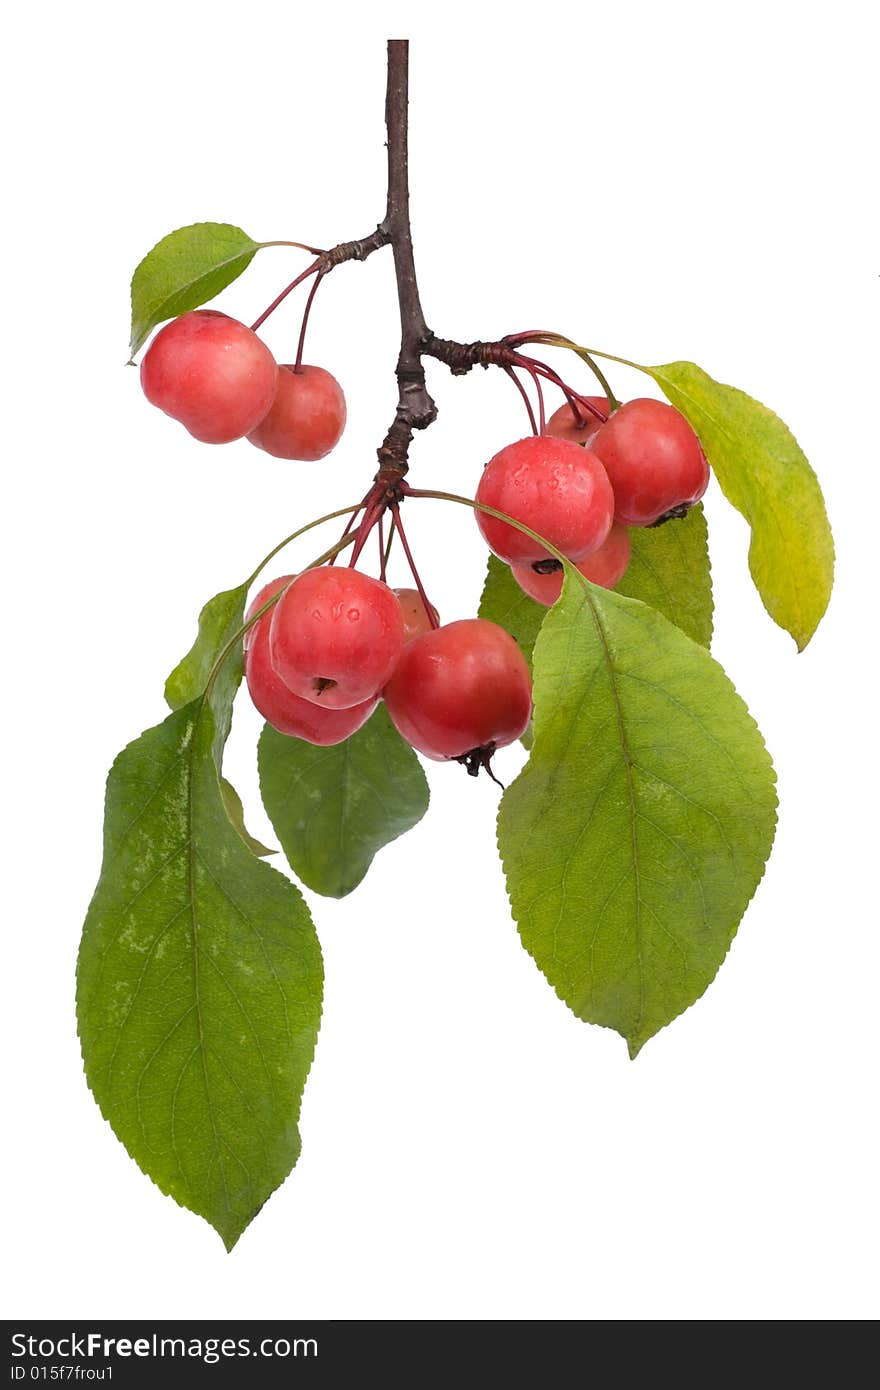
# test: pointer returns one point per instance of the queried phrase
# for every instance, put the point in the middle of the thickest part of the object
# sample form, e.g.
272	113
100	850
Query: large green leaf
669	570
763	472
199	976
503	602
333	809
185	269
198	983
638	831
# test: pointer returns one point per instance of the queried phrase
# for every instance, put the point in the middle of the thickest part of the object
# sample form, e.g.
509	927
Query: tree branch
415	408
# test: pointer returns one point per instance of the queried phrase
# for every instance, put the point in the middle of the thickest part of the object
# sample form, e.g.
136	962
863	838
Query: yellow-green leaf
763	471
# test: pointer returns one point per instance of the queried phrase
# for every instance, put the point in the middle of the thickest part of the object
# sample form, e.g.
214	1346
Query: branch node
461	357
354	250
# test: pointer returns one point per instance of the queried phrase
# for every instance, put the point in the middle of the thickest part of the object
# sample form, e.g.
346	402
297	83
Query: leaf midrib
631	792
191	883
188	284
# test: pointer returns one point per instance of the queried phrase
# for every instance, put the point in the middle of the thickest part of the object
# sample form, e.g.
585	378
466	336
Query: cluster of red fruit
337	641
217	378
583	483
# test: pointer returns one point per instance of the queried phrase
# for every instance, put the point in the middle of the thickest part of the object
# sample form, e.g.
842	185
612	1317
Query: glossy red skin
339	625
653	459
460	687
606	566
268	590
415	617
306	418
291	714
562	423
557	488
212	374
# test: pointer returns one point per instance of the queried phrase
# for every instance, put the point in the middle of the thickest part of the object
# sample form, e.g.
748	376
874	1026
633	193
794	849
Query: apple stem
297	366
388	544
539	391
279	299
522	390
429	610
380	531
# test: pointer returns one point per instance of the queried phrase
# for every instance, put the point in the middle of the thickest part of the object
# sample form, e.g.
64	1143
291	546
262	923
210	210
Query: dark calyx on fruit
479	760
674	514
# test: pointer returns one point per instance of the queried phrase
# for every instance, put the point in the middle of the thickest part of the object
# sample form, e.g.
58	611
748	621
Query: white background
662	181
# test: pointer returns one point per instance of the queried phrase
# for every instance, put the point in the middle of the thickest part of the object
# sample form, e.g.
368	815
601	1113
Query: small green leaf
219	620
185	269
637	833
333	809
235	812
503	602
763	472
669	570
198	983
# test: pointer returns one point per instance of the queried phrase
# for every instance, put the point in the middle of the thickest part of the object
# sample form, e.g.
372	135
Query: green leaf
333	809
198	984
219	621
503	602
185	269
763	472
669	570
235	812
637	833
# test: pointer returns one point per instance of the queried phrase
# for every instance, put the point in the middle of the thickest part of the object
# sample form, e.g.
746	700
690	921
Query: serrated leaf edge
634	1047
229	1241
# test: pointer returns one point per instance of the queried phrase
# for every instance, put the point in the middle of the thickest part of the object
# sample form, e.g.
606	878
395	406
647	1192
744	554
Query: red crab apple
306	418
563	423
415	615
654	461
605	566
461	690
336	636
553	486
212	374
289	713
